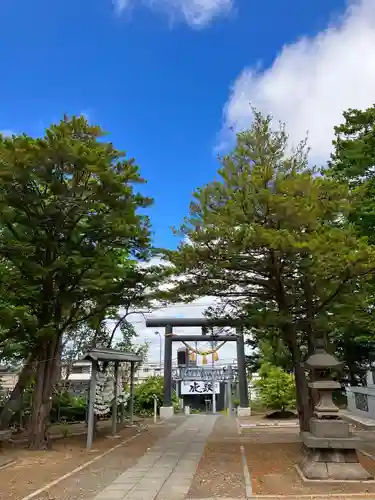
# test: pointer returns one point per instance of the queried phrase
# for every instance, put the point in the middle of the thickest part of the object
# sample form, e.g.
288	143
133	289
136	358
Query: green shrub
68	414
277	389
67	399
144	396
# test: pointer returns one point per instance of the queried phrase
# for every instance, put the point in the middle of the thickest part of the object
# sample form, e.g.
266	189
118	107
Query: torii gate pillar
167	411
244	409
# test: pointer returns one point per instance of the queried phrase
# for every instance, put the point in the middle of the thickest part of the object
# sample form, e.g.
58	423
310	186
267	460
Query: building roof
103	354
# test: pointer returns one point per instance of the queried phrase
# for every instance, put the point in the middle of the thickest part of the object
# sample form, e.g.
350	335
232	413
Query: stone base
166	412
243	412
333	465
329	428
330	443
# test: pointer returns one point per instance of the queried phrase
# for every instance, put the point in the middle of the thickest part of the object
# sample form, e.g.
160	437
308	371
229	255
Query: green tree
144	394
277	389
353	162
270	350
70	233
269	237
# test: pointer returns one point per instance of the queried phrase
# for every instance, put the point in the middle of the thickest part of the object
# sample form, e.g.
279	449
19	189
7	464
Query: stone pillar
244	408
330	444
166	411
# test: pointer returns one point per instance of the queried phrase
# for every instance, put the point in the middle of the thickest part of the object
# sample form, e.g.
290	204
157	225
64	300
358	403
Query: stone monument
331	447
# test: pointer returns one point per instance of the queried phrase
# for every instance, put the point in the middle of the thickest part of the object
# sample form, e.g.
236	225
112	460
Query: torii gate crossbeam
166	410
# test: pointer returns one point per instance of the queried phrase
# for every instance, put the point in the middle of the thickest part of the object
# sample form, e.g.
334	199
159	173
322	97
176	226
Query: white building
148	370
81	372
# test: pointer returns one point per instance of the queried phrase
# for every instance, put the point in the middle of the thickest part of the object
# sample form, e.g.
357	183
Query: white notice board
194	387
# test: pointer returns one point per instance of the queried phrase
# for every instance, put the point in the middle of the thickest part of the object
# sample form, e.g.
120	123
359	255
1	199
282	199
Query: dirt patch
34	469
220	470
219	473
272	470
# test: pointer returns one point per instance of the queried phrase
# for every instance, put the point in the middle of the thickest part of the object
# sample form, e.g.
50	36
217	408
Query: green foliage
71	239
353	162
270	238
68	408
70	231
67	399
144	395
269	349
277	389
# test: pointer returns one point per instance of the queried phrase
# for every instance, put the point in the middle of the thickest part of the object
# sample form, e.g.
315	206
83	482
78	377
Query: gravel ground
35	469
271	456
220	471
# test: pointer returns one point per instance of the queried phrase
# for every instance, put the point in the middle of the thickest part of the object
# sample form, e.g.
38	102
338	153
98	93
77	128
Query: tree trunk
304	406
14	402
42	398
303	398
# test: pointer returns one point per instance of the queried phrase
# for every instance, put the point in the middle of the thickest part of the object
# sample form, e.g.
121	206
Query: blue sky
167	78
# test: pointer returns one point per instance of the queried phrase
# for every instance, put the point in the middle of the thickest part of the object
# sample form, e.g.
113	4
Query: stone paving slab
167	470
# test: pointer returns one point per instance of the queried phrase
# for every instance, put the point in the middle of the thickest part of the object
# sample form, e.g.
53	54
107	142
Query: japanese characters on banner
194	387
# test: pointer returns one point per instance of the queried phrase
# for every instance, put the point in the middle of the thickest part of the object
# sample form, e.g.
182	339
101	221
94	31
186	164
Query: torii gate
166	411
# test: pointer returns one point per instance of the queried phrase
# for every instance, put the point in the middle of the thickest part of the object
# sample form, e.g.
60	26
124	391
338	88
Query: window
361	401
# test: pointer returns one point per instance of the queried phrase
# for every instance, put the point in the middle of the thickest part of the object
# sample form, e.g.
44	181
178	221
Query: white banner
194	387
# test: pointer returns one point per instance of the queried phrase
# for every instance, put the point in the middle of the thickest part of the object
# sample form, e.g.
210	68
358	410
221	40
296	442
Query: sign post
155	408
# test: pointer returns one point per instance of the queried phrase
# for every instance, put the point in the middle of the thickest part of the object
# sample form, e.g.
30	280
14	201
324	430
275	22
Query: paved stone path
167	470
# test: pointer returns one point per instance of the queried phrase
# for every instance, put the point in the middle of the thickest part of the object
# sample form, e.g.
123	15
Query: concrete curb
8	463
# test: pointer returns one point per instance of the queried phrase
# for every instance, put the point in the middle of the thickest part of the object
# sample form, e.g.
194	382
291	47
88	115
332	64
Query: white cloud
196	13
7	133
121	5
312	81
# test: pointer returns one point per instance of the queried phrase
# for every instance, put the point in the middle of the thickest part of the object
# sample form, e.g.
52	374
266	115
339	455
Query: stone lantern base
331	453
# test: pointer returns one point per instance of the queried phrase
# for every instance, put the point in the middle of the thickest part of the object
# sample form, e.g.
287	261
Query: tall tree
69	226
353	162
269	238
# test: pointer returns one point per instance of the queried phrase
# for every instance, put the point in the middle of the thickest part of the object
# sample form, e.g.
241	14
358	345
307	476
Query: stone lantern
330	444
